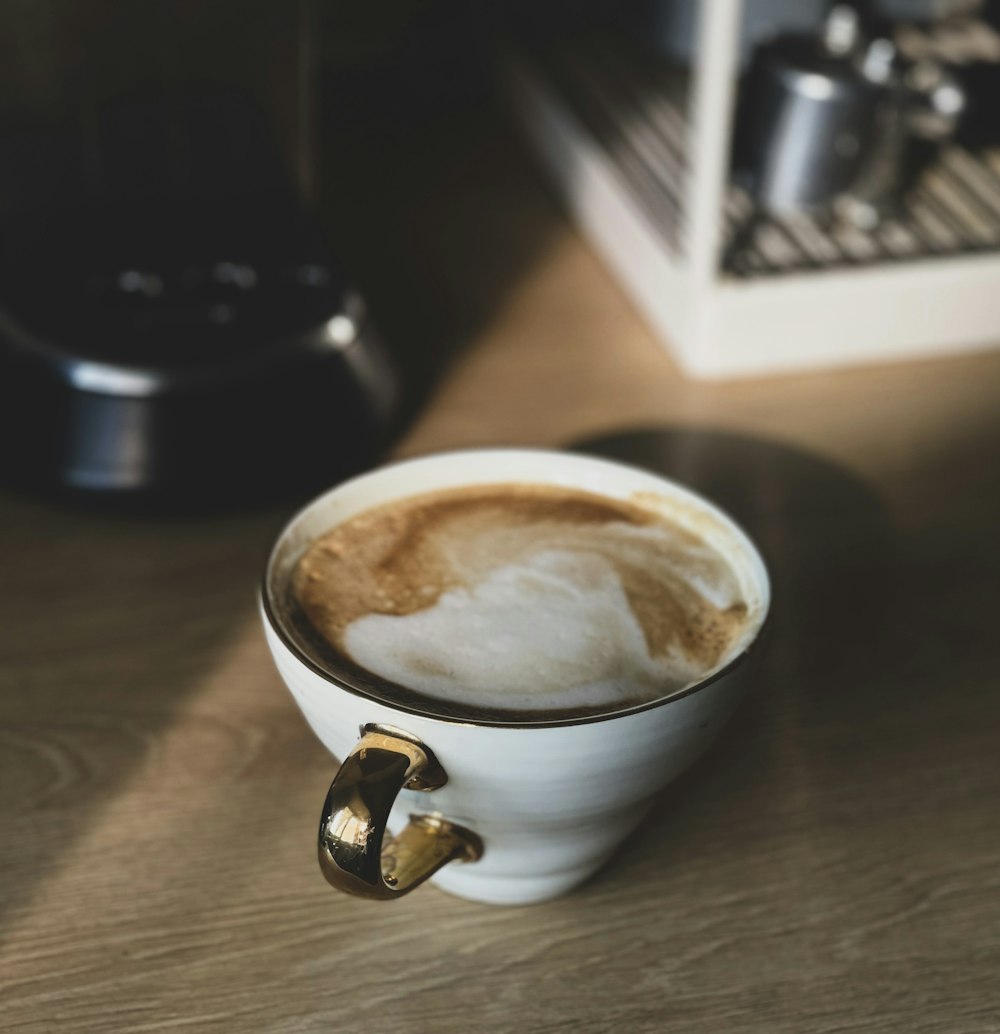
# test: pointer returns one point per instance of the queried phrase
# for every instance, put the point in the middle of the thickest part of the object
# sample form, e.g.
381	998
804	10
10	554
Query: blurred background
241	242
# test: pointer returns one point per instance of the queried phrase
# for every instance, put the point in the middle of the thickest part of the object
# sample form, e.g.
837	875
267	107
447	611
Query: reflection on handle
351	831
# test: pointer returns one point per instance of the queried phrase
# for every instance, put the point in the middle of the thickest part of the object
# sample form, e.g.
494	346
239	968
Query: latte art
520	598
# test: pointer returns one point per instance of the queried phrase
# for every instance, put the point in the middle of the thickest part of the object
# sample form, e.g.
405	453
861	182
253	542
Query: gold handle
353	826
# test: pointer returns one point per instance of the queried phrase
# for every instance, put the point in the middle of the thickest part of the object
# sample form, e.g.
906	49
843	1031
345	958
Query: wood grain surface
832	865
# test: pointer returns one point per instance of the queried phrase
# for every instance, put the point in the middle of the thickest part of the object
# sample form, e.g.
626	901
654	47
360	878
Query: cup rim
349	683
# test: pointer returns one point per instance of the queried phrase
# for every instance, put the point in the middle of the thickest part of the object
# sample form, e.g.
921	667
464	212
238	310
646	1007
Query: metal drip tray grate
635	106
635	109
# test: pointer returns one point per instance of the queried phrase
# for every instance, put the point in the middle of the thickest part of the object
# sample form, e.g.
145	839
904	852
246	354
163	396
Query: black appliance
173	324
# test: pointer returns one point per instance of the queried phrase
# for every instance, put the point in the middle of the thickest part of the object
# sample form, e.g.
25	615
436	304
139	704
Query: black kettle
185	338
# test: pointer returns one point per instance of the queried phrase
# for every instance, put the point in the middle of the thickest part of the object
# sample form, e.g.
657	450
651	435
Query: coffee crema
521	599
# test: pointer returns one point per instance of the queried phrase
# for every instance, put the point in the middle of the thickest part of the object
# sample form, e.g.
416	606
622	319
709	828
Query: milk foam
523	598
553	631
551	628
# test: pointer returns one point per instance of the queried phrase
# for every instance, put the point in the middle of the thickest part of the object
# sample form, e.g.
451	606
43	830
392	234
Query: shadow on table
111	622
826	665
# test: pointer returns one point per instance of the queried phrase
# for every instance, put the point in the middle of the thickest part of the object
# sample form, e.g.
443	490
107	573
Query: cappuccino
519	600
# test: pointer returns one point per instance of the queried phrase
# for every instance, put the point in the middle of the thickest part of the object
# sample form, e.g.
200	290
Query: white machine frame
719	326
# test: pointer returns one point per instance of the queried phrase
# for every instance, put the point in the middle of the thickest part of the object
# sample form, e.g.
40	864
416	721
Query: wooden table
832	865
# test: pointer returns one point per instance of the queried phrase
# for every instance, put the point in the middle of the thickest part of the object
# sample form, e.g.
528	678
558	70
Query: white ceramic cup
533	809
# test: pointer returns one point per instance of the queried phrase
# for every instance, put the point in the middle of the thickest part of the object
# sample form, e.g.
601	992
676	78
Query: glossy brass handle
352	854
